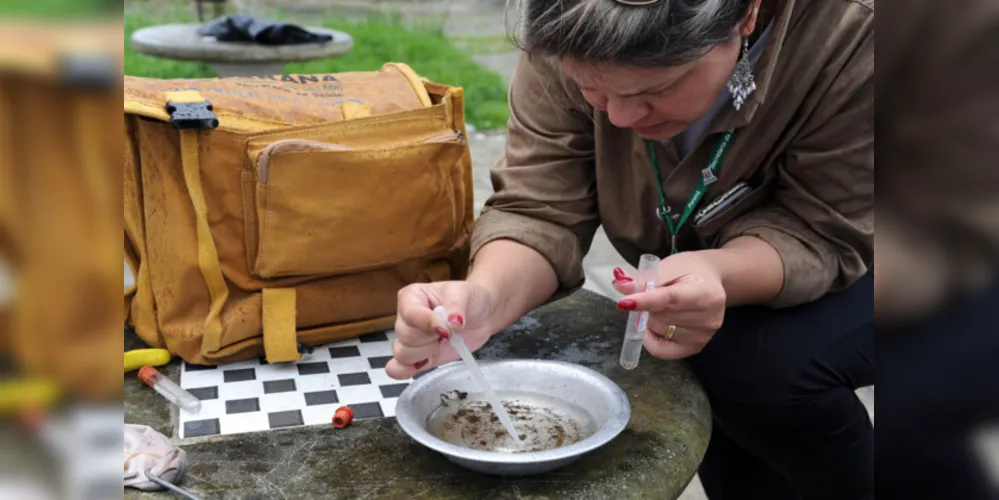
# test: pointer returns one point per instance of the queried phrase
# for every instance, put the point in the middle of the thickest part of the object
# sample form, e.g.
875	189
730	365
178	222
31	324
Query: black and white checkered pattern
251	396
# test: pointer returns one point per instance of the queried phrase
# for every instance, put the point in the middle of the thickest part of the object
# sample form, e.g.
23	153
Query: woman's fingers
683	304
681	346
408	360
660	329
623	282
416	324
455	301
678	296
621	274
658	326
624	287
407	354
418	333
660	322
690	340
398	371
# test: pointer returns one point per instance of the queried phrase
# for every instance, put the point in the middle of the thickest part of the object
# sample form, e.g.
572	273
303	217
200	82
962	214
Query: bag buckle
192	115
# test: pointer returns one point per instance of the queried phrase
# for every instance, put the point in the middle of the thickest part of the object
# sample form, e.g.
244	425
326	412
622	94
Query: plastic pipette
459	345
634	333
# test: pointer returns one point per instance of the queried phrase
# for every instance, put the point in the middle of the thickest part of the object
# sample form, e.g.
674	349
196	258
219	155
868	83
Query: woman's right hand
422	340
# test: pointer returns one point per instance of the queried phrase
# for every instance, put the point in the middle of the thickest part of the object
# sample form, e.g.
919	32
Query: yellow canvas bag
262	215
60	139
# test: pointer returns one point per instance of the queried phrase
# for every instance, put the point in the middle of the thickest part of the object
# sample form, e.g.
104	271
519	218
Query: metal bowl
561	410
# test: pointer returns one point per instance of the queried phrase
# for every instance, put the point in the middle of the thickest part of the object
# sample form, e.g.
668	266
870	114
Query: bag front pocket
325	209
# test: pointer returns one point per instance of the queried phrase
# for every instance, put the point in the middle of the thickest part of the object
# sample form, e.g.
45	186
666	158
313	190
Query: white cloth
146	449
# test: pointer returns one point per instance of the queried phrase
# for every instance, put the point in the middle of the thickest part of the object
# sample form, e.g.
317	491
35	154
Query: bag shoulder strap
279	308
208	259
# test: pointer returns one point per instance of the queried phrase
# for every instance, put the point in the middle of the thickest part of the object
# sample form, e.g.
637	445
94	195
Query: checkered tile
251	396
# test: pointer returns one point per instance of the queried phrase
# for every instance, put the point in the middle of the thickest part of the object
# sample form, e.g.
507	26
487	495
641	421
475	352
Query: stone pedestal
655	457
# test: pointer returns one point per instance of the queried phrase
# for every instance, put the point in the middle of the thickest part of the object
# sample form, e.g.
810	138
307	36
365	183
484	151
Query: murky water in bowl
543	423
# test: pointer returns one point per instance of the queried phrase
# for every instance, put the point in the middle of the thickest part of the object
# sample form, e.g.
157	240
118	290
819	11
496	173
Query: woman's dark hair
663	33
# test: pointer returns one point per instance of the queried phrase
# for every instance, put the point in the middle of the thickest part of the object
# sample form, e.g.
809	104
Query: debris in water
545	423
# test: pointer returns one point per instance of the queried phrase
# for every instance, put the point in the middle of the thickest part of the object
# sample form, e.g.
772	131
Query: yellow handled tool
138	358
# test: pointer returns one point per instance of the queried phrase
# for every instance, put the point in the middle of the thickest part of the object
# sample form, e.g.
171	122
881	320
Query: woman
638	115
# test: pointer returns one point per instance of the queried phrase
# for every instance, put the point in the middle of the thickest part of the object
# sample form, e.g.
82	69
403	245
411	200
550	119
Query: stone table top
655	457
182	42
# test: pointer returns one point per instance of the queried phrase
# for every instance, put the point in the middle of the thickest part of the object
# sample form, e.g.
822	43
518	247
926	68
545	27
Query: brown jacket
938	190
805	139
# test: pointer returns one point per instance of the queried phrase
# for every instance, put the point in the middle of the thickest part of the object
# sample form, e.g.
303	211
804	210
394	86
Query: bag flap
253	104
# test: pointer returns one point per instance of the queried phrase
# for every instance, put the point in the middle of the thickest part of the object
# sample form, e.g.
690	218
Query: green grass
58	9
377	40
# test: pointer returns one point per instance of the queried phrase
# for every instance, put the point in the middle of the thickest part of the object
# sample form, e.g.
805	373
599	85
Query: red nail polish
456	319
619	274
624	280
443	333
627	305
421	364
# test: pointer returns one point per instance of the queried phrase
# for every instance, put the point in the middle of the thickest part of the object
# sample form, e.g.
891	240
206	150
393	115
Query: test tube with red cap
169	389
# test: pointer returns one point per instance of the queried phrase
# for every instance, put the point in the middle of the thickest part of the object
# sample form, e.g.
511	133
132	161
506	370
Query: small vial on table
634	333
169	389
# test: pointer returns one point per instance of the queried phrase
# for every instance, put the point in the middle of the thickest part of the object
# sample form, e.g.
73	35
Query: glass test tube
169	389
634	333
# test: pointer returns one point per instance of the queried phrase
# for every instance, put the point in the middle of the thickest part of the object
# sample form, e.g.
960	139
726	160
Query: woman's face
659	103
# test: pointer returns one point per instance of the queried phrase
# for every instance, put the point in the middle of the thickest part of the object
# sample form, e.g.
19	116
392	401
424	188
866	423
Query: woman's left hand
689	295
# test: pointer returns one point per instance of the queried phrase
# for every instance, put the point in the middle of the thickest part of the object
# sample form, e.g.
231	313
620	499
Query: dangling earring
742	83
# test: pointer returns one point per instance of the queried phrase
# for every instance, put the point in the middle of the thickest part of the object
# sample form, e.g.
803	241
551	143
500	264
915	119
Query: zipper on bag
278	147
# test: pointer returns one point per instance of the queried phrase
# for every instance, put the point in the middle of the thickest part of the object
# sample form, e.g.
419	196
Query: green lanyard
708	176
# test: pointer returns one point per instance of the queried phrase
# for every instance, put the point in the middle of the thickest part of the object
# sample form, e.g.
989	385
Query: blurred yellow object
142	357
60	173
27	393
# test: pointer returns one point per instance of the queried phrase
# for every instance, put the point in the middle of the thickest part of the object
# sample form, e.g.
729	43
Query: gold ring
670	332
